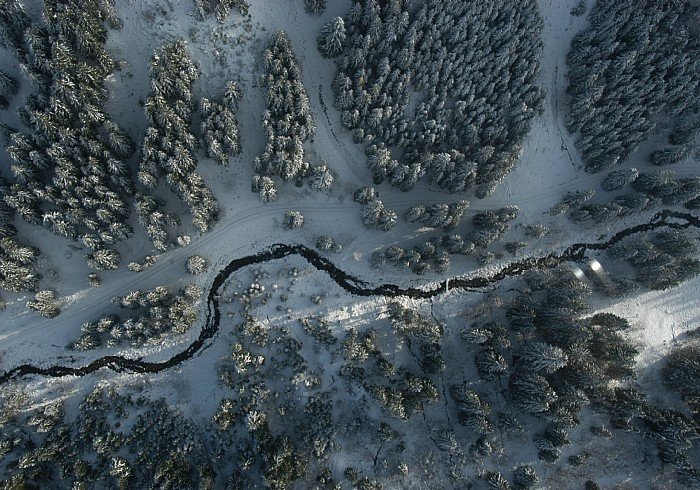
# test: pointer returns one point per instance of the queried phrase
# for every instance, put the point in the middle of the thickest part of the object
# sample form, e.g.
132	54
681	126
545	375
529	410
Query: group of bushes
220	8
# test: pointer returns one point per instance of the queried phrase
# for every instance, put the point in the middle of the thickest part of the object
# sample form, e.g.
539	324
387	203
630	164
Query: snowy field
550	166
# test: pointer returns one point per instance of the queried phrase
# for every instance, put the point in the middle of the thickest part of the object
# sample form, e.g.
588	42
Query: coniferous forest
469	259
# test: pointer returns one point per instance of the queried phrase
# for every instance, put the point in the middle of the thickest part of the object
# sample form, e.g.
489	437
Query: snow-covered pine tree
315	7
331	40
540	357
617	179
293	219
196	264
670	155
531	392
363	195
45	304
320	177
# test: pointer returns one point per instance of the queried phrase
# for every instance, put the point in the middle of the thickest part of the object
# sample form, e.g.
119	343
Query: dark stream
348	282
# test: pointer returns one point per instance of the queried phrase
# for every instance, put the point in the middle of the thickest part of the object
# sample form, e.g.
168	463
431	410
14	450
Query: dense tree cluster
158	311
8	87
287	121
373	212
681	373
220	8
155	221
220	125
448	87
662	185
70	172
637	63
650	189
489	226
169	148
573	360
17	260
662	259
445	216
86	449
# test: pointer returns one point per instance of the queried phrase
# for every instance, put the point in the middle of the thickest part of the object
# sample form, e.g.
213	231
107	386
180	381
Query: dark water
351	284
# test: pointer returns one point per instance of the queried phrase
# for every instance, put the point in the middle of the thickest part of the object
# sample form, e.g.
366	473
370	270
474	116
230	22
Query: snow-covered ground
549	167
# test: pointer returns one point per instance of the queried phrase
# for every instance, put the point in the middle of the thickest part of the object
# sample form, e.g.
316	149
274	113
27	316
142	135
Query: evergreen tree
320	178
490	363
324	243
293	219
541	357
619	178
364	195
670	155
315	7
196	264
531	392
45	304
524	477
332	38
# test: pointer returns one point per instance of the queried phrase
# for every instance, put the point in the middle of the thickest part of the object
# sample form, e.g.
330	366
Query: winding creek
349	283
